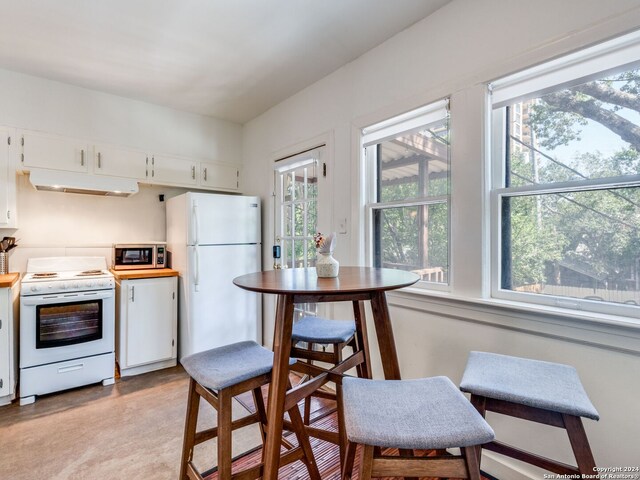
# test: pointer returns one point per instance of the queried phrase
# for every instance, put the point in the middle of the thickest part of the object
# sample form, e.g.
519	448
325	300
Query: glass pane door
298	190
298	195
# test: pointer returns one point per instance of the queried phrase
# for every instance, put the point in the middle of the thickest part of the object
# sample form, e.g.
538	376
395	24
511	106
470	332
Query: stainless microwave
133	256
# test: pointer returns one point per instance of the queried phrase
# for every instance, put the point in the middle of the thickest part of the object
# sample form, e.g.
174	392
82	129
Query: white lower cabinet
146	324
8	343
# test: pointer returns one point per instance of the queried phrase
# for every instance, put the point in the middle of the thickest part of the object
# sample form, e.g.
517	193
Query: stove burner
44	275
90	273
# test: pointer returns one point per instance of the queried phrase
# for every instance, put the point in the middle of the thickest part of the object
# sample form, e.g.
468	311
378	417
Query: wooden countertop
8	280
144	273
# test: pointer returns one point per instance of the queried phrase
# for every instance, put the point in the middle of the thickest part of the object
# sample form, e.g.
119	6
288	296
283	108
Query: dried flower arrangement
325	244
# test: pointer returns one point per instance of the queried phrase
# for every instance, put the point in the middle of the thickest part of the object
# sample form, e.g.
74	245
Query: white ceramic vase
326	265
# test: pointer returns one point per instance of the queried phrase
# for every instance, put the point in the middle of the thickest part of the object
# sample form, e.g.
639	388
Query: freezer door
223	219
219	313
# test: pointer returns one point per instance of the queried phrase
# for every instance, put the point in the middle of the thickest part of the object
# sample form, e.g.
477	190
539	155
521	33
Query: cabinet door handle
82	157
193	172
133	293
99	160
205	174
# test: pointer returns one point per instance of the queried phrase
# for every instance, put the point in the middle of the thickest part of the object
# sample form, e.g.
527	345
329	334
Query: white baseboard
504	468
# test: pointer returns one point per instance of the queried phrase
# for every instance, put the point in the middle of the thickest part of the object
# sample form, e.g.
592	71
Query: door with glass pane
297	201
298	197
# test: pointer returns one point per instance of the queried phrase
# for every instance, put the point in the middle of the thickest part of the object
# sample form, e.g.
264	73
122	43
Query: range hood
72	182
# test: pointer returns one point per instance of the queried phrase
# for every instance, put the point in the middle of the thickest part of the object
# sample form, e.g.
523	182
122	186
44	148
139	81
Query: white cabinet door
5	351
120	162
57	153
150	320
7	181
219	176
173	171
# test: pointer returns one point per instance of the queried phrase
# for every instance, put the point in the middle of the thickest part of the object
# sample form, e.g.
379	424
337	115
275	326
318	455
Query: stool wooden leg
471	459
342	429
347	466
303	441
224	435
480	405
307	400
366	463
579	444
362	340
261	411
193	403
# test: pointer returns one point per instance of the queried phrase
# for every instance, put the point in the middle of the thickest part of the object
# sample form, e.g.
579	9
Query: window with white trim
566	181
407	166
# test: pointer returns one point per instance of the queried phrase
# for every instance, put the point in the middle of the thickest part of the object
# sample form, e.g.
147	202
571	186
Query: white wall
72	223
455	52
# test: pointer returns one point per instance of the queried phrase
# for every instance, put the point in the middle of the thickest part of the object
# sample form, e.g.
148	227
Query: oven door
66	326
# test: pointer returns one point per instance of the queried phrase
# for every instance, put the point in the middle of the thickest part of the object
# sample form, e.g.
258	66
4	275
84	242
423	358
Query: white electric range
67	325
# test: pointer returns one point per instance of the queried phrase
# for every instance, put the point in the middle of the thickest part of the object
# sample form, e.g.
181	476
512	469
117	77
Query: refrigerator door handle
195	223
196	259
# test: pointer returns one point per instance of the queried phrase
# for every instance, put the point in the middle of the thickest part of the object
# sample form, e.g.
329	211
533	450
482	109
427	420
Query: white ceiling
231	59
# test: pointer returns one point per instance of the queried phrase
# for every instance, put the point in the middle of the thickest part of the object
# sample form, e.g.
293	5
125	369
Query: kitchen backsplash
19	256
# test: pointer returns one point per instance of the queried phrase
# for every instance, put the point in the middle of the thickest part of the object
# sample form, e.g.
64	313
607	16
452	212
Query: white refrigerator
212	239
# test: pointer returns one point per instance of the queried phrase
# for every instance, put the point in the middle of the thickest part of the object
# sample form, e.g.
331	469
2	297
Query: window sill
604	331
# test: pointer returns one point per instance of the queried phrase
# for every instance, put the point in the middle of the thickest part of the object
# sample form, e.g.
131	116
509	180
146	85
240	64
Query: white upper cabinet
173	171
7	180
42	150
120	162
53	152
219	176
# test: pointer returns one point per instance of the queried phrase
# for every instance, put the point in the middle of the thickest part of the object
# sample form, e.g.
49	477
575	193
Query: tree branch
568	102
610	95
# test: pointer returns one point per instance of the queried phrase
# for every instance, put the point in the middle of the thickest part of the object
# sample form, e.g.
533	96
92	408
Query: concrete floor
132	429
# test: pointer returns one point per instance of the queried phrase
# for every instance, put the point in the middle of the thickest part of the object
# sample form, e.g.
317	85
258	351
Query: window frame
406	123
588	64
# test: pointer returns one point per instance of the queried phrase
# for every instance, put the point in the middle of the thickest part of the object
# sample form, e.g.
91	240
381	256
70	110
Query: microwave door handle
196	279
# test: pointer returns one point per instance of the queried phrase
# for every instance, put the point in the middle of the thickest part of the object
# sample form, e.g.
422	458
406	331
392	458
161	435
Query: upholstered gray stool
217	376
543	392
424	414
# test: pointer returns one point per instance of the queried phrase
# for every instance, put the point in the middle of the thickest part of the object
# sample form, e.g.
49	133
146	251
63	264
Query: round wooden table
302	285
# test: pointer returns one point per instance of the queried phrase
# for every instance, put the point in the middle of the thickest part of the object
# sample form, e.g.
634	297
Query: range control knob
101	283
90	283
75	285
34	288
63	286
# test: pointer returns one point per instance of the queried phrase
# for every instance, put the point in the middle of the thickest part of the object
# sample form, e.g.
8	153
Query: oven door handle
65	298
